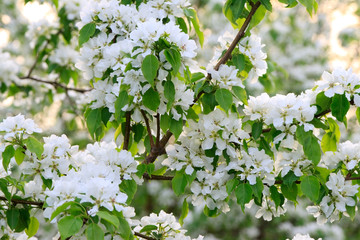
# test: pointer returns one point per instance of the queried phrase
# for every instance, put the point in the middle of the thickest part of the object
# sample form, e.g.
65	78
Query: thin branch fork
152	144
127	130
56	84
143	236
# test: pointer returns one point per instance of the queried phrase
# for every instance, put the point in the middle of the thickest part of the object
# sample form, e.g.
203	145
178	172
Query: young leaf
310	186
86	32
310	144
8	153
151	99
339	107
19	155
69	226
243	194
267	4
33	227
290	191
12	217
109	218
174	58
179	183
34	146
149	68
224	98
93	120
176	127
169	92
256	129
191	14
184	211
94	232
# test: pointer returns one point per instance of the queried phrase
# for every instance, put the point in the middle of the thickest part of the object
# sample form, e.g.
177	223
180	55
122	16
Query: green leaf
7	154
19	155
231	185
120	102
339	106
174	58
94	232
149	68
239	61
240	93
4	188
86	32
176	127
224	98
358	114
209	102
323	102
310	186
351	210
290	178
328	142
310	144
179	183
151	99
276	196
148	228
93	121
243	194
124	229
256	129
12	217
60	209
290	191
235	7
165	122
130	188
211	212
169	92
191	14
258	188
33	227
109	218
267	4
34	146
311	6
69	226
184	211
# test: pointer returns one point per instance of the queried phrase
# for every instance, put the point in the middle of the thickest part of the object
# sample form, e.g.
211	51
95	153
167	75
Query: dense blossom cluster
341	195
340	81
91	176
167	227
128	35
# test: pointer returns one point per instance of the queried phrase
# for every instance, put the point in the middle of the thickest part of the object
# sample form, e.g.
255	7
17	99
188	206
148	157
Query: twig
21	201
56	84
127	130
157	177
148	129
157	130
143	236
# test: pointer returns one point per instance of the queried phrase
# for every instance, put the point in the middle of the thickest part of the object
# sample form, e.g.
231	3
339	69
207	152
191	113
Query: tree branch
25	202
56	84
238	37
148	129
127	131
157	177
158	130
143	236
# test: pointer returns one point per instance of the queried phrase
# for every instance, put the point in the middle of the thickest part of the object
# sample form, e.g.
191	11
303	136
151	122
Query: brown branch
232	46
148	129
21	201
157	130
127	130
157	177
238	37
56	84
158	150
143	236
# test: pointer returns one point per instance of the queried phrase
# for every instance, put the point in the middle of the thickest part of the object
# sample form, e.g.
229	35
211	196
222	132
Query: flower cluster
100	170
167	227
332	205
18	128
251	47
340	81
283	112
345	154
128	35
303	237
225	77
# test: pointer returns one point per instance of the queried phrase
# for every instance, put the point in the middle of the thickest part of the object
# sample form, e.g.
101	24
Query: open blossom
167	225
8	68
345	154
18	127
251	46
303	237
225	77
340	81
